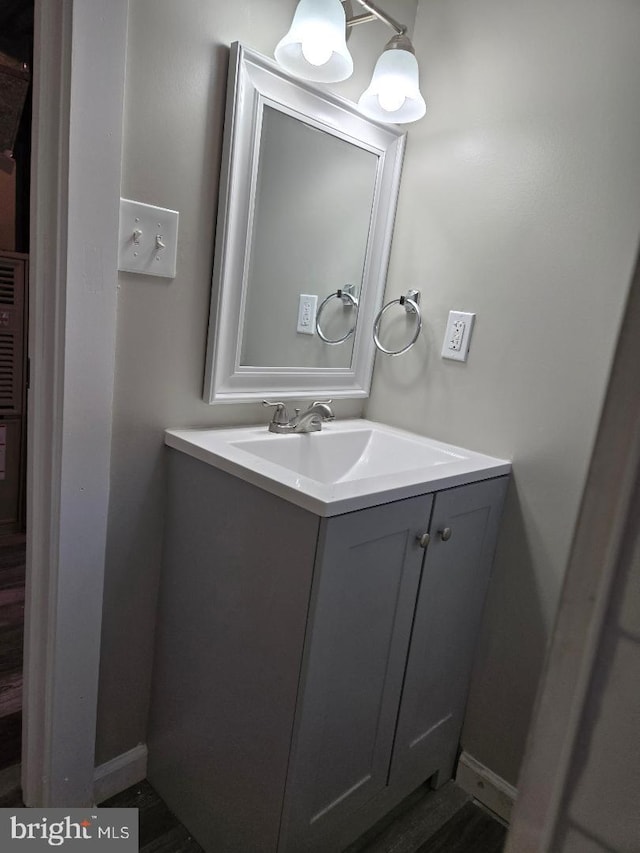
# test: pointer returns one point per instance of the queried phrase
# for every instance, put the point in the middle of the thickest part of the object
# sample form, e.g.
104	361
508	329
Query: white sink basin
338	456
347	466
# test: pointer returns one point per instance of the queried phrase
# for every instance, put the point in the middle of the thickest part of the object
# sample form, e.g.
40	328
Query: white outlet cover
148	242
307	309
458	335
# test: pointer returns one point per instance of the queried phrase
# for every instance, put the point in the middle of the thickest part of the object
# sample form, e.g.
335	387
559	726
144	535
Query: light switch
148	239
458	335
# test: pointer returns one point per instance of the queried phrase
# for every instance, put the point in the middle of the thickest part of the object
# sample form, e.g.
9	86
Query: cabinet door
448	613
363	599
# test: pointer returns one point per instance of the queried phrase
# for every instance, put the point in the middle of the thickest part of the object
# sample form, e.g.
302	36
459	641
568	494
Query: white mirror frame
254	82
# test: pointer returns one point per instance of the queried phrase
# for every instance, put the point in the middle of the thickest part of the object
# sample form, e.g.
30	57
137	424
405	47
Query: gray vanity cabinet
360	619
310	672
388	659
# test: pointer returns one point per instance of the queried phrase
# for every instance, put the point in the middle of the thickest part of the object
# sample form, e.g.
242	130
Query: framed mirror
308	194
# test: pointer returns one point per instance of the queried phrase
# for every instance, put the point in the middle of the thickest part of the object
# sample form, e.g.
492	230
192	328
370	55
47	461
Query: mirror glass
311	219
308	192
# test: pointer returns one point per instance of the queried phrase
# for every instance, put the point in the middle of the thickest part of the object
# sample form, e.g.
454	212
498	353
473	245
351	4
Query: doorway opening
16	62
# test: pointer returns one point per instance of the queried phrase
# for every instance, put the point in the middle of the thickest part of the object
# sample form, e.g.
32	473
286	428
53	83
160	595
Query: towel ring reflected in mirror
349	301
411	303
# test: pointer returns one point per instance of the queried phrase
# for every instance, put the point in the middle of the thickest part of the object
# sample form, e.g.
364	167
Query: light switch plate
458	335
148	241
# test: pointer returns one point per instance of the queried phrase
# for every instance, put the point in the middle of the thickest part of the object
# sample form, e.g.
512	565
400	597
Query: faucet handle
280	415
327	414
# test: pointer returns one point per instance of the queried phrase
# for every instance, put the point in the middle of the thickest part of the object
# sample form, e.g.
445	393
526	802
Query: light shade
394	95
315	48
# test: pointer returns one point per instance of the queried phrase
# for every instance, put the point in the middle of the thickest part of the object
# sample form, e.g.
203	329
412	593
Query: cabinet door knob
445	534
424	540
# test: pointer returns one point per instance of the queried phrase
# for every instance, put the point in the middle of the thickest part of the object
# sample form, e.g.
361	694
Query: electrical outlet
307	309
458	335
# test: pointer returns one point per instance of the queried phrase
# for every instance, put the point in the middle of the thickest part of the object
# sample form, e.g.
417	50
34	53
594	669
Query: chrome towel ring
349	301
411	303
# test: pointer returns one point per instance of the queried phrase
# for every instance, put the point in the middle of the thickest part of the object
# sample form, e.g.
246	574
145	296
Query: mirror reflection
311	222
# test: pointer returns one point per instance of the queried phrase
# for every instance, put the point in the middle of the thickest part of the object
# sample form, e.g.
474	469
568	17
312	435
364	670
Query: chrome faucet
310	420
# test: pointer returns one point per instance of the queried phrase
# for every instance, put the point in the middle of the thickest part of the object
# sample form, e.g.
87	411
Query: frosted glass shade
315	47
394	92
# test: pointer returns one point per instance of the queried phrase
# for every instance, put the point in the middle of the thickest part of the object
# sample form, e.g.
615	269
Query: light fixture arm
373	13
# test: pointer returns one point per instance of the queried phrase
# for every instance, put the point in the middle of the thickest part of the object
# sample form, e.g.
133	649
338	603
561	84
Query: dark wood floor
444	821
434	822
12	561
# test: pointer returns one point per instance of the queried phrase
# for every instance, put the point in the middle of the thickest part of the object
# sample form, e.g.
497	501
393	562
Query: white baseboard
486	786
120	773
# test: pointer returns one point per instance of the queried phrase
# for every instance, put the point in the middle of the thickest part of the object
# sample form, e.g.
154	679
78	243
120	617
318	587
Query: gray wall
174	106
520	201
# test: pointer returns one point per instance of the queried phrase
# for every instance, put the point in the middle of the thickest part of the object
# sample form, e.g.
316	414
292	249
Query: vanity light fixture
315	48
394	92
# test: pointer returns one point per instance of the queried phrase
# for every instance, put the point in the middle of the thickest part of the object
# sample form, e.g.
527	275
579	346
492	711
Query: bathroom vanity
320	606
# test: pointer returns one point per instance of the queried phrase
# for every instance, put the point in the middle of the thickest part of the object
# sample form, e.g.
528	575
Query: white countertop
348	465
